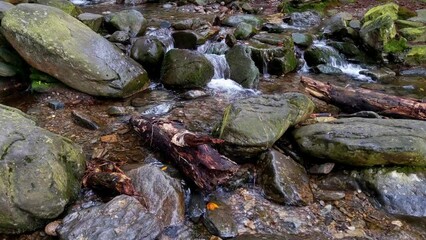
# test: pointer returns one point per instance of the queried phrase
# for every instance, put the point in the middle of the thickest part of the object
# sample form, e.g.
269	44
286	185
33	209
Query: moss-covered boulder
396	45
283	180
390	9
414	34
64	5
131	21
377	32
244	31
185	69
421	16
252	125
416	55
4	6
366	142
242	67
56	43
302	39
317	55
40	173
234	20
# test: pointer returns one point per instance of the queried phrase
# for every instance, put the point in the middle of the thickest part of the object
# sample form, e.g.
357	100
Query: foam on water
229	87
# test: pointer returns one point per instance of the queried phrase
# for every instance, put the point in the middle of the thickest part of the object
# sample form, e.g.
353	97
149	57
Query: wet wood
360	99
191	152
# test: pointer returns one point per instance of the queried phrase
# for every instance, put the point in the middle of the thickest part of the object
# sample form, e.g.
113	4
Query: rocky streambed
71	82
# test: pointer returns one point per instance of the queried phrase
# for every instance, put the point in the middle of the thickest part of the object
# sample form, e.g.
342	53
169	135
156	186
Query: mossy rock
64	5
376	33
416	55
131	21
243	69
185	69
414	34
4	6
317	55
40	173
302	39
56	43
93	21
244	31
365	141
390	9
405	13
396	46
405	23
149	52
234	20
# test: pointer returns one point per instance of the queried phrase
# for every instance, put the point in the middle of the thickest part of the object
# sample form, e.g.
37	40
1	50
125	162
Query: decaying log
359	99
191	153
107	177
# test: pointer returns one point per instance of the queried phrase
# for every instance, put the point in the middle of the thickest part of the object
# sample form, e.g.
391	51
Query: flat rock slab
366	141
56	43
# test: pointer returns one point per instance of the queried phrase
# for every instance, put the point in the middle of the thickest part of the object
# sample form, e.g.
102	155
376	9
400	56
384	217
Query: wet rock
156	109
355	24
339	182
317	55
93	21
185	40
329	195
219	220
7	70
84	120
119	37
230	40
419	71
379	74
302	39
4	6
196	206
40	173
252	125
322	168
131	21
377	32
282	236
87	62
244	31
217	48
272	28
194	94
325	69
64	5
365	141
55	104
183	68
416	55
401	191
149	52
421	16
390	9
407	24
283	180
190	24
243	68
119	111
176	233
347	48
234	20
122	218
336	25
303	19
162	194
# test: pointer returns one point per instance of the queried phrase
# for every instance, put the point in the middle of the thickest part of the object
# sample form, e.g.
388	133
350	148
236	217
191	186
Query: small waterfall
341	63
164	35
230	88
265	60
221	67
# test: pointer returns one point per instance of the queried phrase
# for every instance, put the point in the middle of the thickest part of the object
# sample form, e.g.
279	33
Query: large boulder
390	8
243	68
40	173
234	20
401	191
317	55
56	43
124	217
416	55
4	6
184	68
64	5
283	180
149	51
252	125
366	142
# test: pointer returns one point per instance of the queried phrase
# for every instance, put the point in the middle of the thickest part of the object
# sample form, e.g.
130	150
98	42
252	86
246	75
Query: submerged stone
40	173
60	45
366	141
283	180
219	220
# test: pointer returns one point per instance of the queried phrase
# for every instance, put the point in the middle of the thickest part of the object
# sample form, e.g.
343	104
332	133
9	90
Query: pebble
321	169
50	228
55	104
83	120
329	195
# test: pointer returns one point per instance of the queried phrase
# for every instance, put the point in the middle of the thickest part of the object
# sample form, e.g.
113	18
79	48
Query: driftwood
191	153
359	99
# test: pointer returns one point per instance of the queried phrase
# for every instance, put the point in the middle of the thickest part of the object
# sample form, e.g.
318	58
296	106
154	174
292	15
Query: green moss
390	9
321	7
395	46
405	13
414	34
417	55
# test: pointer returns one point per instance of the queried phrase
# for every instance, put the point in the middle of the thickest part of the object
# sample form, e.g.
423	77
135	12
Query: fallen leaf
212	206
109	138
164	168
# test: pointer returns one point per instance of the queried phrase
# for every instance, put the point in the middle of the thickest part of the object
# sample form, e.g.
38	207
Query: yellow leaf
164	168
212	206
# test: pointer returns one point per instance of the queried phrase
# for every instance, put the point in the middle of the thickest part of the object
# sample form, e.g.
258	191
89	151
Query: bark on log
359	99
191	153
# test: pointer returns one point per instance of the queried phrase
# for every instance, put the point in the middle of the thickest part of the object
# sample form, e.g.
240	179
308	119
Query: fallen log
191	152
360	99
